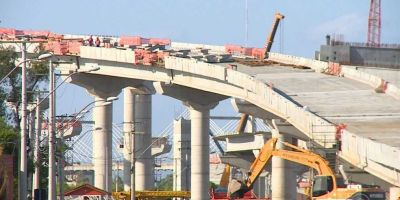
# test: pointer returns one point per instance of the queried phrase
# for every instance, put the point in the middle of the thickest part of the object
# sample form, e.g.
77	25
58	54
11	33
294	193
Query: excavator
324	185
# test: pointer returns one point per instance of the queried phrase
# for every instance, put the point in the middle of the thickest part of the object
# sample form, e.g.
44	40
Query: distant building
87	192
361	54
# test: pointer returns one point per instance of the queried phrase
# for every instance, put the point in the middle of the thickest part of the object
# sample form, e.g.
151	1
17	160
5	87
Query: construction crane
374	24
324	185
271	36
268	45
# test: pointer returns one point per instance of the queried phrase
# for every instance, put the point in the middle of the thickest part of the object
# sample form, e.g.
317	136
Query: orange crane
271	36
267	49
324	185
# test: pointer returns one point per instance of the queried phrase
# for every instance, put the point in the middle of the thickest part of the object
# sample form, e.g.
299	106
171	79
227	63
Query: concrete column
129	117
251	126
283	181
394	193
181	145
200	150
102	144
144	165
260	187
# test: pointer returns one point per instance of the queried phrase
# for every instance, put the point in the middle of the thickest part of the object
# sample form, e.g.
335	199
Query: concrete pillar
251	126
200	150
129	117
260	187
102	144
283	181
144	165
394	193
181	145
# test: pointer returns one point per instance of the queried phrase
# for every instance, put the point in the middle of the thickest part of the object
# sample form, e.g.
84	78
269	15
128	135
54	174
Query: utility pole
23	163
52	128
61	168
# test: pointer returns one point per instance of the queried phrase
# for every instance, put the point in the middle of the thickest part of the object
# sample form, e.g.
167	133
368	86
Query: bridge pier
102	144
200	151
181	145
283	179
129	117
199	103
144	165
137	120
101	89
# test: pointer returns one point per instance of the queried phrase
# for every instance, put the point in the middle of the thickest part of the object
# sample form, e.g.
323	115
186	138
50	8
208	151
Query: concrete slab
338	99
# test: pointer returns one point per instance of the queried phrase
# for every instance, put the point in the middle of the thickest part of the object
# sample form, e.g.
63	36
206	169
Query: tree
10	98
10	89
8	137
166	183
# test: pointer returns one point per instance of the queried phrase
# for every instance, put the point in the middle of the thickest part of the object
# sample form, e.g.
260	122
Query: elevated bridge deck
324	102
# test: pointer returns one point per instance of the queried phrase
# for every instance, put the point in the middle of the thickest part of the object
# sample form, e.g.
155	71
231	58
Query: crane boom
270	40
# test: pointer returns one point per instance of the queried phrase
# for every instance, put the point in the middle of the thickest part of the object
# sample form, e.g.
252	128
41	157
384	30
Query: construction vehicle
268	45
324	185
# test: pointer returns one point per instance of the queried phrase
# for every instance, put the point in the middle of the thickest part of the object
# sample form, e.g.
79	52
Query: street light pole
133	161
36	153
51	178
23	165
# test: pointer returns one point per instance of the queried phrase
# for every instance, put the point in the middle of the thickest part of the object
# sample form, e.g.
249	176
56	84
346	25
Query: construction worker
90	41
97	42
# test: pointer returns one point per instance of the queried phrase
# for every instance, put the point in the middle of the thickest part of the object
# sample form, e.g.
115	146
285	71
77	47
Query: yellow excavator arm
297	155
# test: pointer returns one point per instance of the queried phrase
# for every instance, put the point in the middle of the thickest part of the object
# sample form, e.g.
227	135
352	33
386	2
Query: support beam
102	144
144	165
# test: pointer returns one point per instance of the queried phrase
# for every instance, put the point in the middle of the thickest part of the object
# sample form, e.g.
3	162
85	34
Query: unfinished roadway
322	102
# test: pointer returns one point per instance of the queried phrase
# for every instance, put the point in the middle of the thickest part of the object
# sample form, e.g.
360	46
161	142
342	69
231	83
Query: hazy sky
208	21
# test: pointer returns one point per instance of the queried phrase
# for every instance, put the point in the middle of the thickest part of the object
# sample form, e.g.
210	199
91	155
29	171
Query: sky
216	22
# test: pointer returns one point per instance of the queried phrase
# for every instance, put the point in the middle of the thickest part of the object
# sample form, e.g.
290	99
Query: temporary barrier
233	49
158	41
133	40
334	69
258	53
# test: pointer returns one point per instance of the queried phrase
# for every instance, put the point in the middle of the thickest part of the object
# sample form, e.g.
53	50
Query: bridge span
350	108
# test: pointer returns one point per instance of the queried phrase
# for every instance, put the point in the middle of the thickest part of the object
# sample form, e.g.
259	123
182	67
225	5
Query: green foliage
165	184
8	137
10	88
120	185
